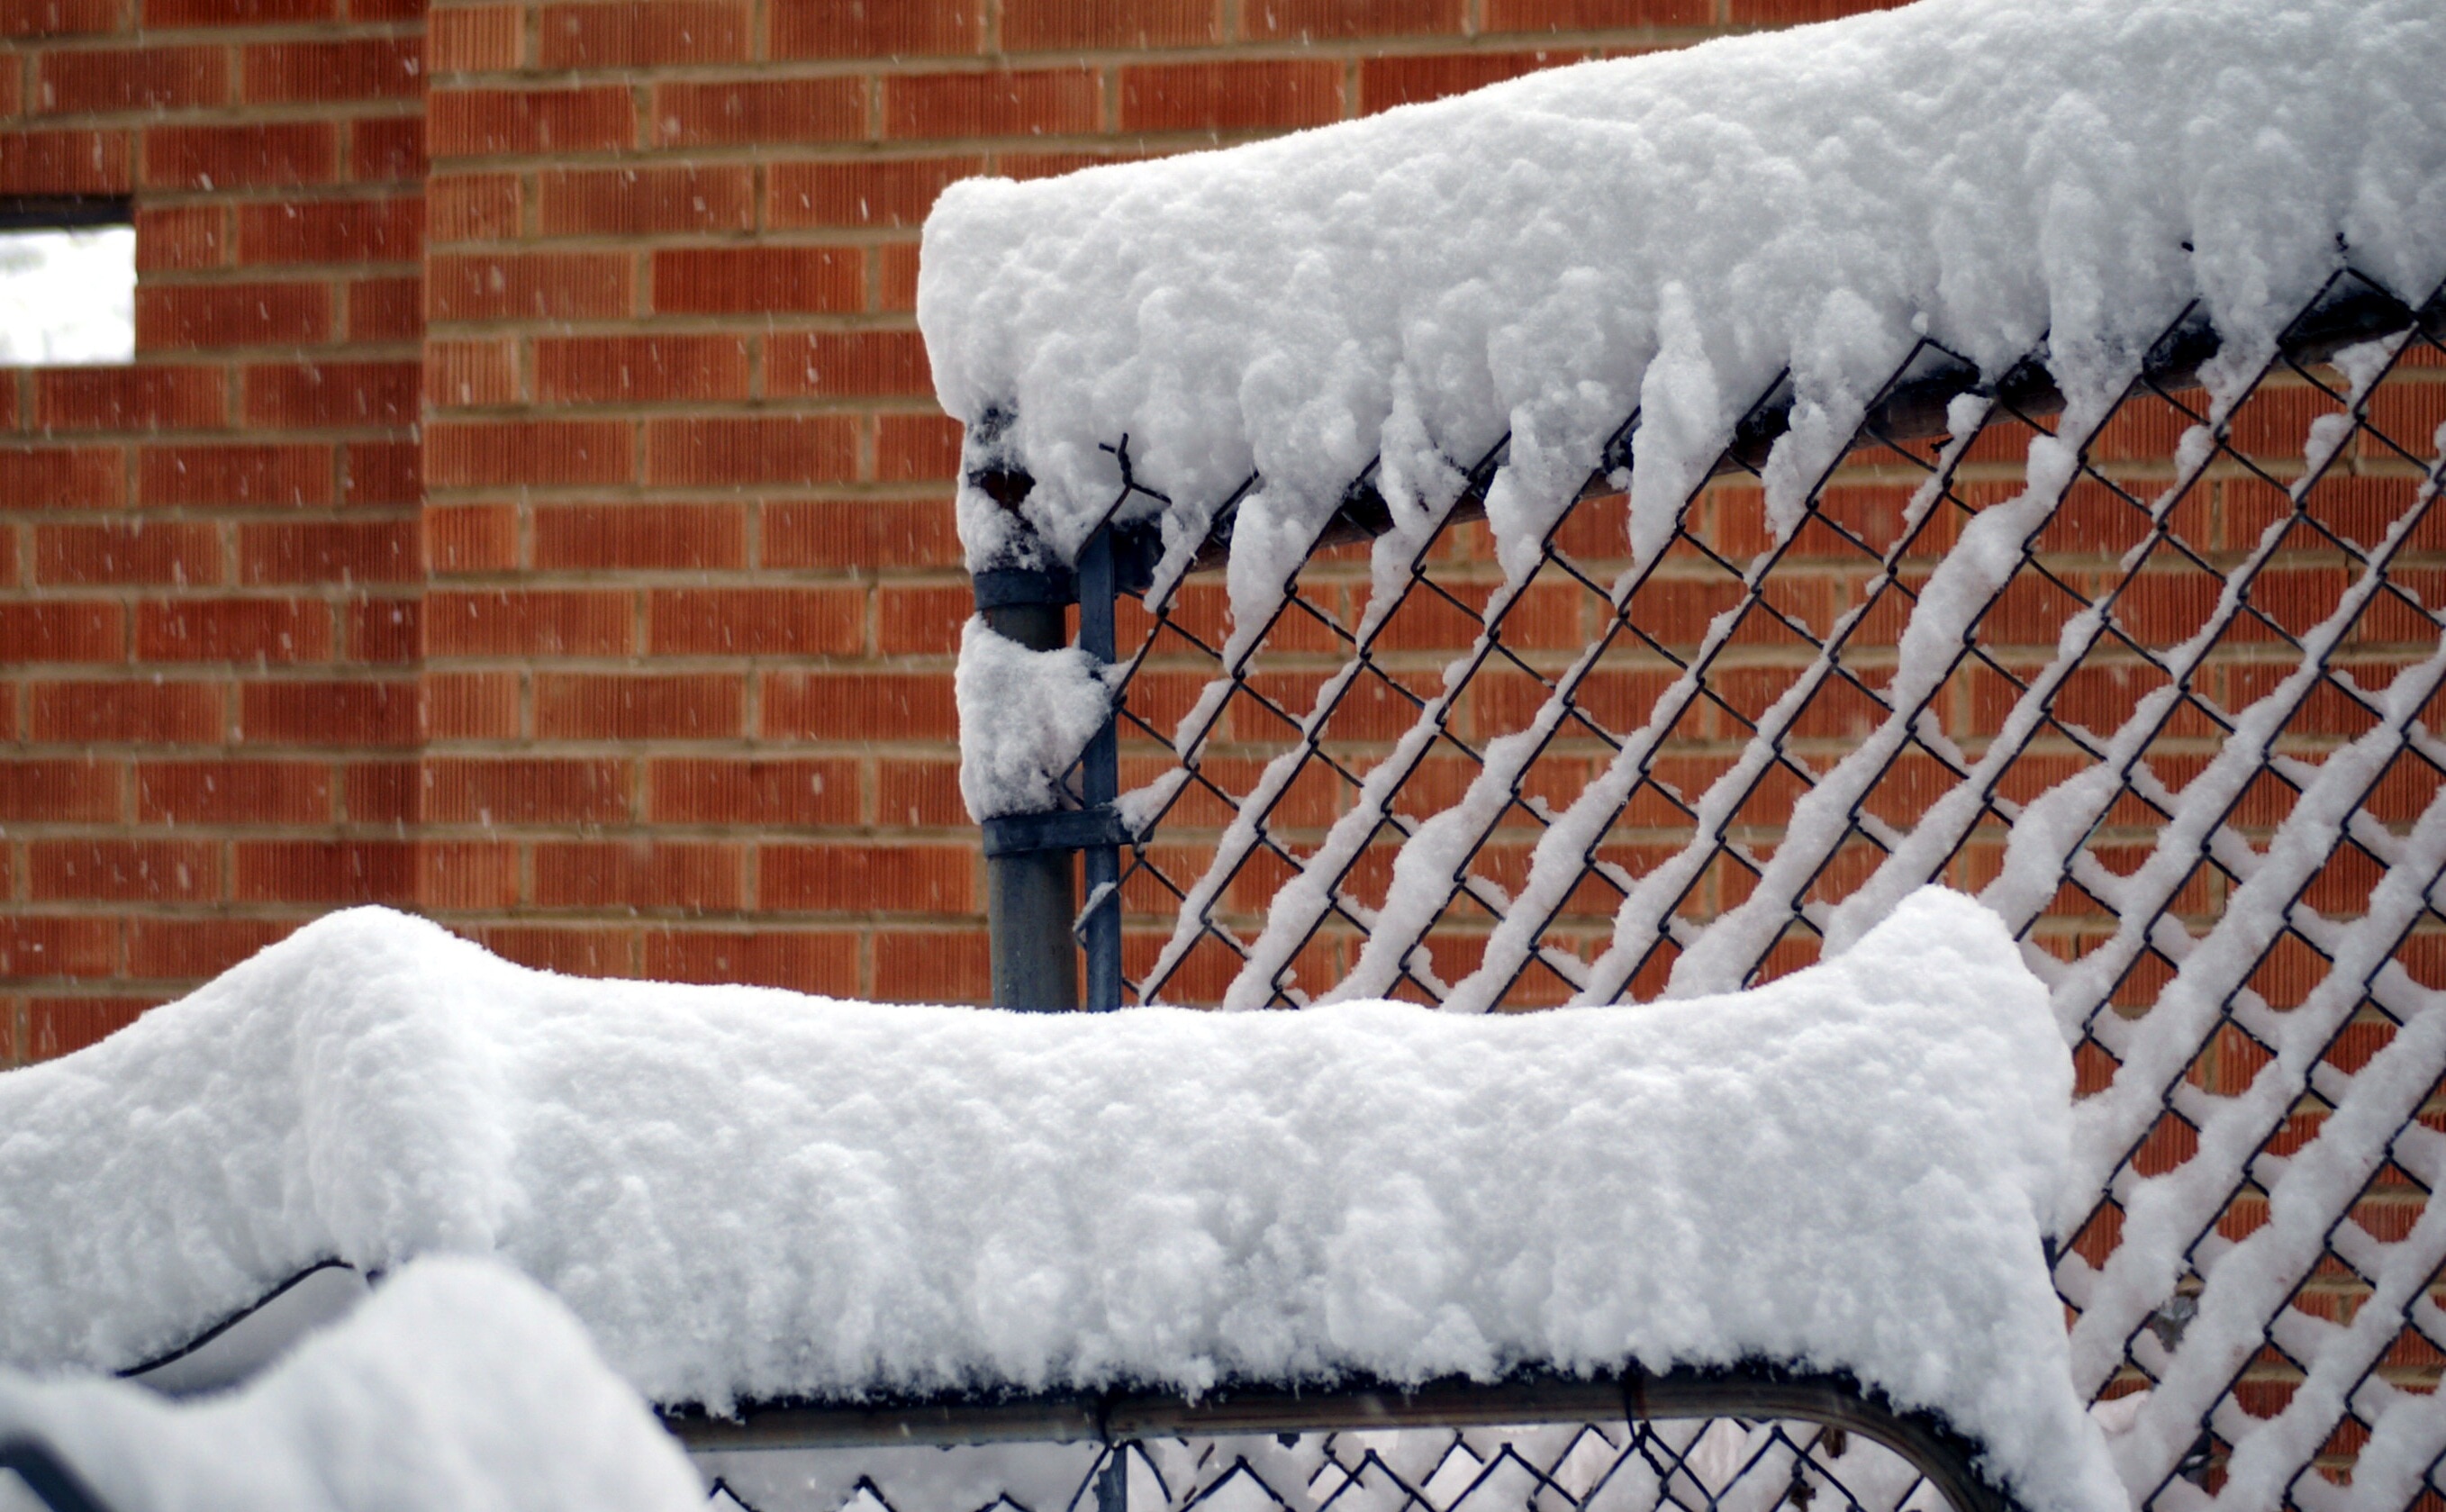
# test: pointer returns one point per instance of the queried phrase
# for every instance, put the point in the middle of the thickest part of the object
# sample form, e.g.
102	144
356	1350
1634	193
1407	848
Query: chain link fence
2158	680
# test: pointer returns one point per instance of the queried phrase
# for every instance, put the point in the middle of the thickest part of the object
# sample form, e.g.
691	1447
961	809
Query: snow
1025	718
1667	234
460	1385
746	1194
67	297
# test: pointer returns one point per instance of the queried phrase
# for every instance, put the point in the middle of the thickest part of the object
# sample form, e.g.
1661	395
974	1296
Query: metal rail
1754	1392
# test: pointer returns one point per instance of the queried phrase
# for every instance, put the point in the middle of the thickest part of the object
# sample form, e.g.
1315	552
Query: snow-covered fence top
748	1194
1664	236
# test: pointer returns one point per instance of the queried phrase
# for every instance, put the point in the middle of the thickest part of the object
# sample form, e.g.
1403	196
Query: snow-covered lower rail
797	1220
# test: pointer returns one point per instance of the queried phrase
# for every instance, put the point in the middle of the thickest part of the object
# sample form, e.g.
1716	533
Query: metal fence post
1029	900
1100	782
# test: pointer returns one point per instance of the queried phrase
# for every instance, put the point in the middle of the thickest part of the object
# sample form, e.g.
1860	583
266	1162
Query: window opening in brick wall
67	281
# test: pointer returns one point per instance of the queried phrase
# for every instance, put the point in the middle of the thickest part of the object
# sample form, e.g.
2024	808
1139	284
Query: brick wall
636	657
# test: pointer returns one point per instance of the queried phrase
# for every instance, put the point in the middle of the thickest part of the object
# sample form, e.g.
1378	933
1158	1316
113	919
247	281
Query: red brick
328	231
471	537
380	792
252	477
625	202
65	162
330	552
463	454
859	363
1038	24
869	534
756	621
194	315
474	207
528	623
860	194
63	478
527	286
276	155
387	10
908	447
862	879
684	705
89	83
466	874
324	871
615	369
61	1026
805	961
663	876
641	33
1384	83
920	795
1230	96
570	952
763	794
12	96
471	374
751	449
932	966
1594	15
153	871
874	29
387	150
329	394
328	713
476	39
524	790
1794	12
384	629
1304	20
189	948
1001	104
31	945
587	538
55	630
167	13
257	630
921	621
165	552
896	277
471	706
147	713
485	123
758	280
233	792
380	472
854	706
141	398
386	310
72	793
60	18
758	112
181	238
356	69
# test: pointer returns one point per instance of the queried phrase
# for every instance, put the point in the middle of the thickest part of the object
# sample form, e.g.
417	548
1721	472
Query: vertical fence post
1101	781
1029	900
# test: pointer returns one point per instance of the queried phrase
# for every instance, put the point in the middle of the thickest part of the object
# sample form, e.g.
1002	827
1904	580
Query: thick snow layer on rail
459	1386
744	1192
1667	234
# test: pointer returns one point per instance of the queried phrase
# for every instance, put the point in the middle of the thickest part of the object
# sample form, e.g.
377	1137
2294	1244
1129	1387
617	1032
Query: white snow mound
744	1192
1667	234
459	1386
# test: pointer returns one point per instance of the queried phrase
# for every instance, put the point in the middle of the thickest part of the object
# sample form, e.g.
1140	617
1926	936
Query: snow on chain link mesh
2159	679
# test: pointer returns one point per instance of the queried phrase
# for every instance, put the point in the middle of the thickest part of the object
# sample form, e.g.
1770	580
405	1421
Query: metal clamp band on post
1064	829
